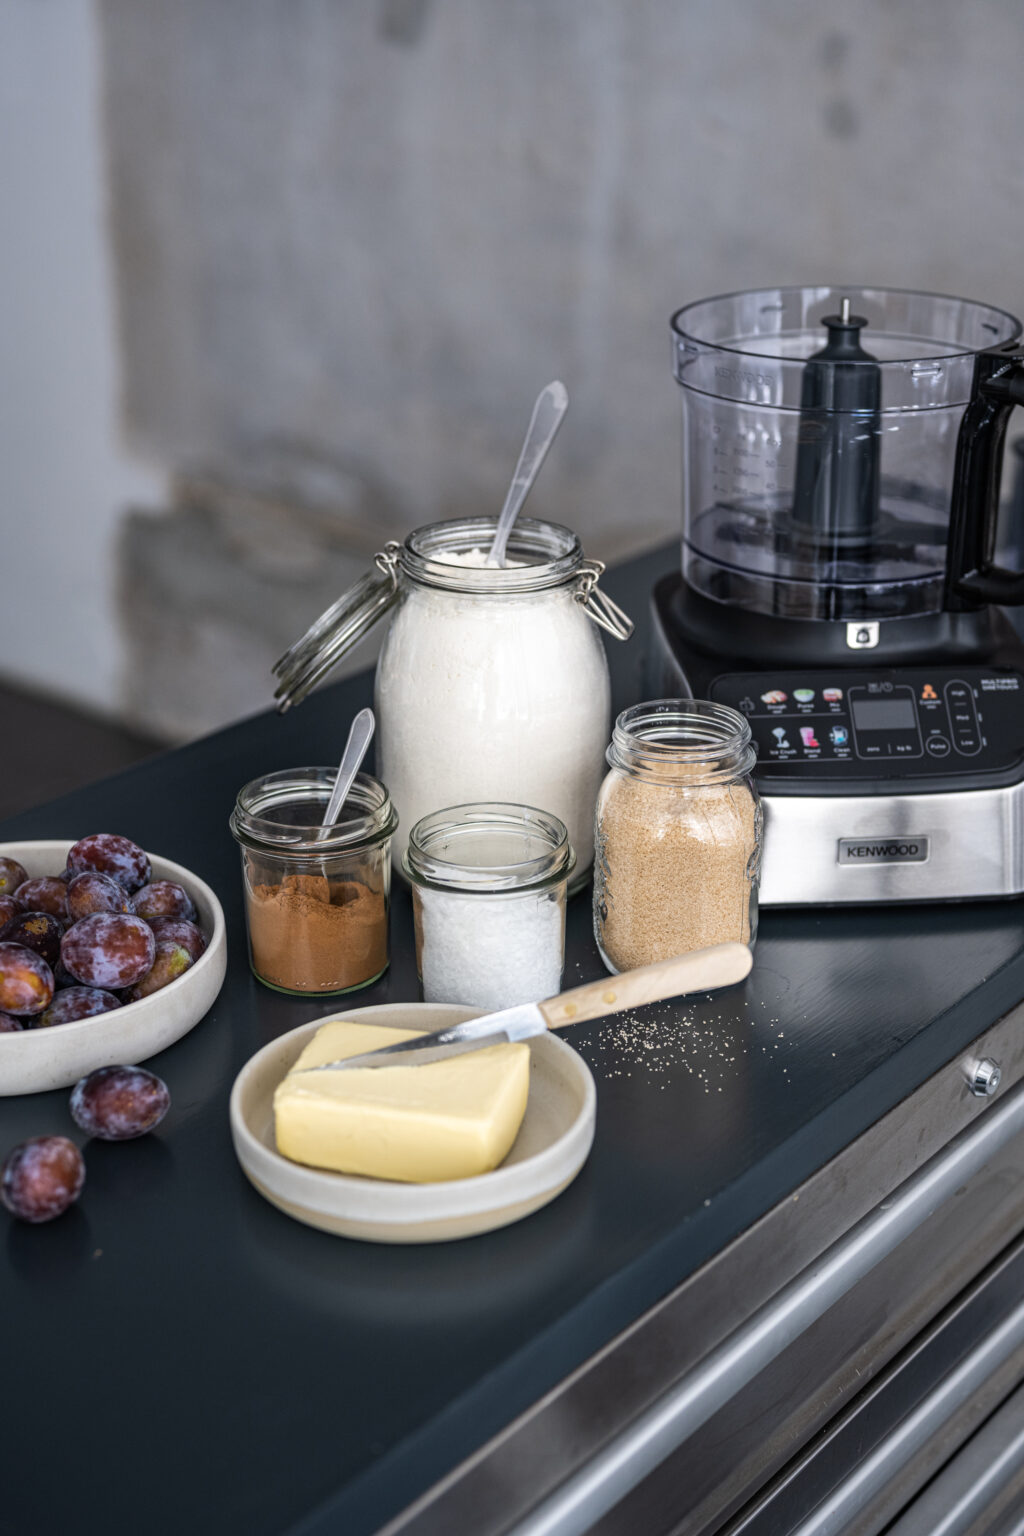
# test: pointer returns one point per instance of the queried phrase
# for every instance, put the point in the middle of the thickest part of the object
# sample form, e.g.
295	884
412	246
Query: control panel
913	723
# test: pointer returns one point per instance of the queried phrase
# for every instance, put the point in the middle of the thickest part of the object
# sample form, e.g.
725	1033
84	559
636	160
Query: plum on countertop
41	1177
119	1103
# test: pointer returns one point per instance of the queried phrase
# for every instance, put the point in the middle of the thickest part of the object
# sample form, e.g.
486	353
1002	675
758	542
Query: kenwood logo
897	851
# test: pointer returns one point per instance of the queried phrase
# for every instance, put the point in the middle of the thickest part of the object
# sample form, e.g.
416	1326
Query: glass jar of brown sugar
316	907
678	834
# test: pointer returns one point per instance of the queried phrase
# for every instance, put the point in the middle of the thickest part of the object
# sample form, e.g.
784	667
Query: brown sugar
676	868
311	934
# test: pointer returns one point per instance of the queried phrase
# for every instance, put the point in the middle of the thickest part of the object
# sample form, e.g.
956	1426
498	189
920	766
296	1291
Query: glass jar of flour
492	683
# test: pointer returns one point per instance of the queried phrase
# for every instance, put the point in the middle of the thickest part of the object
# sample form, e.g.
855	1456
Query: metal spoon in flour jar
549	408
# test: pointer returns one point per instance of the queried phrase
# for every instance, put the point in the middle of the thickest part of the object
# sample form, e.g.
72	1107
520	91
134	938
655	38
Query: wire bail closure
347	621
338	629
597	605
386	561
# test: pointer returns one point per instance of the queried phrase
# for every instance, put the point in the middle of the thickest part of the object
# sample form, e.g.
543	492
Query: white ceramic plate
551	1148
35	1060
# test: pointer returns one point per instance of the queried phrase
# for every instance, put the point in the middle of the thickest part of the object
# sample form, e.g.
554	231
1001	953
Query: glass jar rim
660	737
371	817
436	841
558	548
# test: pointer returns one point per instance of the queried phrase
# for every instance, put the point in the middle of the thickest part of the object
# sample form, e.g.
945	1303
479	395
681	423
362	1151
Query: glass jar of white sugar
489	888
492	683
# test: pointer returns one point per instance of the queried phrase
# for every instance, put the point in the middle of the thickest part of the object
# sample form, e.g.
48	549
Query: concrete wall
66	475
352	241
381	245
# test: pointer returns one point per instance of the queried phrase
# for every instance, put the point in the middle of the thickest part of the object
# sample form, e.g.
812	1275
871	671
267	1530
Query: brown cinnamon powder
311	934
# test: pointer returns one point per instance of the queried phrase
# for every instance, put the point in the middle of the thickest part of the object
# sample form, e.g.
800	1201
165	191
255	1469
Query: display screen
883	714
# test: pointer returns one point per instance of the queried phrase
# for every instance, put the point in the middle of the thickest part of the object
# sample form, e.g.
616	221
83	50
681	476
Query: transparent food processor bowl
820	430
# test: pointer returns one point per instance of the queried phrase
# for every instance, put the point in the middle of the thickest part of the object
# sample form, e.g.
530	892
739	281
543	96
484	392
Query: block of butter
448	1120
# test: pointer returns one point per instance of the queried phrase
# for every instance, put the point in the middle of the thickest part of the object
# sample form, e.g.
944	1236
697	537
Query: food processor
841	583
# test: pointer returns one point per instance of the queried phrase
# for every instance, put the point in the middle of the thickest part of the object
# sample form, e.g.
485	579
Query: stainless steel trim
989	1467
620	1466
532	1455
975	842
879	1411
833	1516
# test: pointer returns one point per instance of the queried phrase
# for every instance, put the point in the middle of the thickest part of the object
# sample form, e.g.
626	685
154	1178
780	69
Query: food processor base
872	840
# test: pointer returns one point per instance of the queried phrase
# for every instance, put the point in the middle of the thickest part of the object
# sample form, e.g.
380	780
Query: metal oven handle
573	1507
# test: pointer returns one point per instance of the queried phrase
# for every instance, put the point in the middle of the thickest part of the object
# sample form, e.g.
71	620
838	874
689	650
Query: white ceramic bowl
35	1060
551	1148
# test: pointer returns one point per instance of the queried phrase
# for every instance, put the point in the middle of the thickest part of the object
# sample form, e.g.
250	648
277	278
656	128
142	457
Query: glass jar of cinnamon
316	906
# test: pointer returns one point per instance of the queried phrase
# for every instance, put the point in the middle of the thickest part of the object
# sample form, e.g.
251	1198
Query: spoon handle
359	738
549	408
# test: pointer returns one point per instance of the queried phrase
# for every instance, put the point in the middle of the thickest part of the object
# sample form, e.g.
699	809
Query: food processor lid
754	346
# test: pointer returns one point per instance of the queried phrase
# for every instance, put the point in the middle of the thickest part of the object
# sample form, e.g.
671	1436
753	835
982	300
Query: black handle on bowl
972	577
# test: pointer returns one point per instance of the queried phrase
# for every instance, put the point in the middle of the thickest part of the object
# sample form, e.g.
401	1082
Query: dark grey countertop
178	1355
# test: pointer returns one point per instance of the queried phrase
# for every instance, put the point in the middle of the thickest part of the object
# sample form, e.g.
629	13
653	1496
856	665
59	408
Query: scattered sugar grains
664	1043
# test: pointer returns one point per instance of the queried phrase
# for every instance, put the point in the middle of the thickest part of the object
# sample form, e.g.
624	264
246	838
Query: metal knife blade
509	1024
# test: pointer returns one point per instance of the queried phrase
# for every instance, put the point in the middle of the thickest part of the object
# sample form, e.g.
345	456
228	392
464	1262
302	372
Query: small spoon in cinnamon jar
359	737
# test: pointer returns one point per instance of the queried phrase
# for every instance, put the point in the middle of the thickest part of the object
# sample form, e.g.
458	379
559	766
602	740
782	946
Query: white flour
472	557
493	697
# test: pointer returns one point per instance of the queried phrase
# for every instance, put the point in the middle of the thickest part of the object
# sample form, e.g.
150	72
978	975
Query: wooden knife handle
702	970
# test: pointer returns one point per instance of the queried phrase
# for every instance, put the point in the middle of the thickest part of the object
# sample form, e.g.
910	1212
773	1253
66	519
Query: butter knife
702	970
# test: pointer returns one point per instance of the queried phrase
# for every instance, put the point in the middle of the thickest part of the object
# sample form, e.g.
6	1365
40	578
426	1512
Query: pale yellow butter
448	1120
